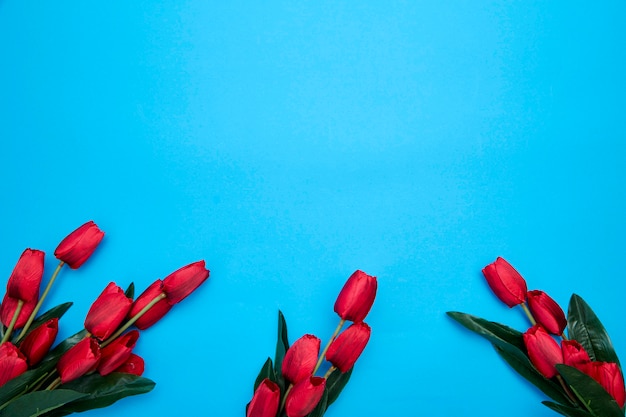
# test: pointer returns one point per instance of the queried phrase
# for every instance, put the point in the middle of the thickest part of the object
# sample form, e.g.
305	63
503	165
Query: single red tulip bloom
117	352
301	358
38	342
155	312
356	297
546	312
348	346
574	354
25	279
543	351
107	312
8	308
304	396
505	282
610	377
134	365
179	284
12	362
78	246
265	400
79	359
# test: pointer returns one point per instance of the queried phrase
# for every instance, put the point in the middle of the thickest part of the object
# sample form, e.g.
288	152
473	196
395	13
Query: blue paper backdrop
290	144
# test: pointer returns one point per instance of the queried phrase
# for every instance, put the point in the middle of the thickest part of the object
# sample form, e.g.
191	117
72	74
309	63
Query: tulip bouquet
579	371
93	368
288	385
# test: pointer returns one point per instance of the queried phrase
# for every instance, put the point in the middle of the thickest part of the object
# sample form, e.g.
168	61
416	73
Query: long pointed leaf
567	411
39	402
282	344
267	371
335	383
599	402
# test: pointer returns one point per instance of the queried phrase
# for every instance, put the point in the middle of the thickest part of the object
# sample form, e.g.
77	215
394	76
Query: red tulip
26	277
12	362
8	308
304	396
38	342
117	352
300	359
348	346
610	377
505	282
155	312
544	352
574	354
78	246
356	297
134	365
546	312
79	359
265	400
179	284
107	312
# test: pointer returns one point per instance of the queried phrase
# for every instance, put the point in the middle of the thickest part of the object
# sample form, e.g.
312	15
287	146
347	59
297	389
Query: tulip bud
79	359
26	277
179	284
574	354
300	359
155	312
356	297
505	282
134	365
8	308
304	396
117	352
543	351
265	400
348	346
546	312
78	246
38	342
610	377
107	312
12	362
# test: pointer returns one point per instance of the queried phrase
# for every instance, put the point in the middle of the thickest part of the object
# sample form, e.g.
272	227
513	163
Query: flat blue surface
289	145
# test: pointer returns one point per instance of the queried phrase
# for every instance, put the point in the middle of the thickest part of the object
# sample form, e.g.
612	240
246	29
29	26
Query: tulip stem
321	358
569	393
330	371
528	313
133	319
282	403
54	384
40	302
18	309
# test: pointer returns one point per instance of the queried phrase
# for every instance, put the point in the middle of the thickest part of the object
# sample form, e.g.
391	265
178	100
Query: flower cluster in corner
289	385
96	366
579	371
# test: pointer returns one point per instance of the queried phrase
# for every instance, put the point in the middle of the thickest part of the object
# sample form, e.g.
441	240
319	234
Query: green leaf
599	402
321	406
39	402
267	371
335	383
54	312
492	331
130	291
584	326
282	345
566	410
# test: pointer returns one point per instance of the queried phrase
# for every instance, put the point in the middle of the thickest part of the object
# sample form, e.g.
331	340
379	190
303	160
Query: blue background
290	144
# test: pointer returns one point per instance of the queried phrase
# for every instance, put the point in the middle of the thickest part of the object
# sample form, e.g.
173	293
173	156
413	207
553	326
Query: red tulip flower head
304	396
348	346
265	401
574	354
117	352
356	297
12	362
546	312
38	342
610	377
78	246
79	359
155	312
505	282
301	358
25	279
179	284
543	351
134	365
107	312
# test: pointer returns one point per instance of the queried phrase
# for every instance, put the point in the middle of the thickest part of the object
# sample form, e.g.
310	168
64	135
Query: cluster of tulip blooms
96	366
289	387
580	371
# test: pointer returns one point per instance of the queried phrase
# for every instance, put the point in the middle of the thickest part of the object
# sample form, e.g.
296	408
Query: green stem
133	319
528	313
569	393
321	358
282	403
330	371
54	384
40	302
7	335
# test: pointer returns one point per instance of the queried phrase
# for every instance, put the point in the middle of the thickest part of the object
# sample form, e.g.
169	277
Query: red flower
117	352
505	282
26	277
12	362
574	354
356	297
107	312
179	284
301	358
610	377
304	396
348	346
265	400
546	312
79	359
38	342
8	308
78	246
544	352
155	312
134	365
